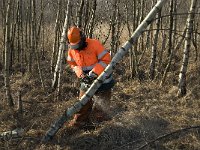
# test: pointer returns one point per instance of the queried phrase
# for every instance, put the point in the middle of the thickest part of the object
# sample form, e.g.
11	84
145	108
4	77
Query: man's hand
89	78
78	70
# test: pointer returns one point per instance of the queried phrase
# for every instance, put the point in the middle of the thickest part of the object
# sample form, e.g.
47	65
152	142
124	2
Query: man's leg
82	117
101	108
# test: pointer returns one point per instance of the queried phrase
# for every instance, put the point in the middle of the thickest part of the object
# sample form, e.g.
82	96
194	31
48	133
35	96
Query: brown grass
141	112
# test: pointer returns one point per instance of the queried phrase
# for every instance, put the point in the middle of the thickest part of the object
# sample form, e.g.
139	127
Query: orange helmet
74	35
76	38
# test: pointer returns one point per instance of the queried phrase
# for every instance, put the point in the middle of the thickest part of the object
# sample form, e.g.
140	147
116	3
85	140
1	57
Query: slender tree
171	50
160	61
7	54
182	76
80	14
3	21
37	38
92	20
171	23
56	36
62	47
113	24
154	48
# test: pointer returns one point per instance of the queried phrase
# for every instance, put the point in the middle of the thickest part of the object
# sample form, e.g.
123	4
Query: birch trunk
113	27
195	41
13	32
62	47
87	17
171	28
109	69
22	38
27	45
80	11
160	62
129	34
56	36
171	50
132	55
31	35
146	45
7	55
182	75
18	31
154	49
91	23
37	36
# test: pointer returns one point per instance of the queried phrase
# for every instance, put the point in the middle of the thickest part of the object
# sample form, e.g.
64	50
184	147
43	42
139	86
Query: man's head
76	38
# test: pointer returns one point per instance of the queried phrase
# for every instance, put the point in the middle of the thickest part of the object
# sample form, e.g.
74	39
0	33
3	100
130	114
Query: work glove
89	78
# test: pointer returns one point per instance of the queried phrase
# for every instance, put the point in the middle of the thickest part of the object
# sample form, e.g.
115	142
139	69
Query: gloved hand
89	78
92	74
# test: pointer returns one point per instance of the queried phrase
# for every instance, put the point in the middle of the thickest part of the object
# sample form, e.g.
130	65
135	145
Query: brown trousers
100	103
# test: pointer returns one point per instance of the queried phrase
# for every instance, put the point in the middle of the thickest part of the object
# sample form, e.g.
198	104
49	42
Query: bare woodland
156	99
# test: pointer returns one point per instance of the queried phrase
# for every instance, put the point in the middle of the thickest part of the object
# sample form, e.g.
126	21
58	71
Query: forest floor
142	113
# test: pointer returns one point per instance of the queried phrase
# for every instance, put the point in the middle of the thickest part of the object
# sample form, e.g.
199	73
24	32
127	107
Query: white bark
12	134
7	55
154	49
56	35
183	71
62	47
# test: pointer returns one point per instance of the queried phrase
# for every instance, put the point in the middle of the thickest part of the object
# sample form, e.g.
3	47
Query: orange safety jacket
93	58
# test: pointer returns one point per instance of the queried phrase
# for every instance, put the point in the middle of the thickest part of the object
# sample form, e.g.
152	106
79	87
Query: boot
81	118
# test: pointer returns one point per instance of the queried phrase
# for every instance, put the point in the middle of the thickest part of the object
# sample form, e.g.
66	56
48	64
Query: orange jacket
92	58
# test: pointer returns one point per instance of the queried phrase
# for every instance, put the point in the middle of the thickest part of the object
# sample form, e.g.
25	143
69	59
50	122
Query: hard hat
76	38
74	35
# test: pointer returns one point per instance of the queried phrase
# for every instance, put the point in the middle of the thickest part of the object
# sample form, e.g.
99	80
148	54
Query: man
88	58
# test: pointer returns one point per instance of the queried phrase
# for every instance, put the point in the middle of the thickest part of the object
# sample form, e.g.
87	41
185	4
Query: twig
20	138
167	135
120	147
27	129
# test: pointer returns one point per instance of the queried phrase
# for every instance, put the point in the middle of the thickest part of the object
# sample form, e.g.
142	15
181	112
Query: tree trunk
56	36
7	55
37	37
133	57
31	37
113	27
154	48
87	17
182	75
80	11
160	62
62	47
3	23
146	47
171	50
91	23
171	22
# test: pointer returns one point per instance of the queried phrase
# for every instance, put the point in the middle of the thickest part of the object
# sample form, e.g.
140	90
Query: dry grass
141	111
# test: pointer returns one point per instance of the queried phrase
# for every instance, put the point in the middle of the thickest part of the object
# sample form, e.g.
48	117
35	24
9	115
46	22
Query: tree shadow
116	135
106	136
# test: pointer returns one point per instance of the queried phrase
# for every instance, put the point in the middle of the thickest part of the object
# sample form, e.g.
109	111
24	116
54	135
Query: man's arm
103	57
77	69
